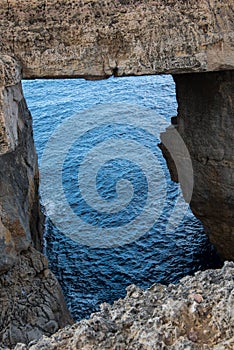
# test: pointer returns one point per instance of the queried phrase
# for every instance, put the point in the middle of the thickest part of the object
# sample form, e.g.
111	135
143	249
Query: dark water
91	274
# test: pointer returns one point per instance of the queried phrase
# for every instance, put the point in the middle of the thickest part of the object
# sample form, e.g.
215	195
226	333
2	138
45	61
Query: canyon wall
94	40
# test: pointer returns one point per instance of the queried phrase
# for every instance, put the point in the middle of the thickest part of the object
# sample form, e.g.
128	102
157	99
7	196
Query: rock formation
31	299
97	39
195	314
32	302
20	217
205	122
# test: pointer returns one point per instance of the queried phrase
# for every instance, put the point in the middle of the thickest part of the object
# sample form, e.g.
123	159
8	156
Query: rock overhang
95	39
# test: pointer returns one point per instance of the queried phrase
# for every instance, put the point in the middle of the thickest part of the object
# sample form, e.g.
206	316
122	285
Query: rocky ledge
198	313
31	300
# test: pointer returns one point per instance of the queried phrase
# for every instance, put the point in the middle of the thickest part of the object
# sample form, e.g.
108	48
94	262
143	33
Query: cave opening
89	274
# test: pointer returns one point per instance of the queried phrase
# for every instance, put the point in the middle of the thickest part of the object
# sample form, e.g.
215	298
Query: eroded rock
97	39
32	302
20	216
158	318
205	122
31	299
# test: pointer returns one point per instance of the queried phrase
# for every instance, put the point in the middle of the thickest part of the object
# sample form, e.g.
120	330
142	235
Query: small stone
198	298
51	327
193	336
46	273
34	334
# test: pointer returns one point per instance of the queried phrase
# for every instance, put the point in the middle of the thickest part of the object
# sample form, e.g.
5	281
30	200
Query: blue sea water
91	274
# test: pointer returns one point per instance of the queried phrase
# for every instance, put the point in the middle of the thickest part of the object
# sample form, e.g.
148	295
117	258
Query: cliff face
97	39
20	217
32	302
205	122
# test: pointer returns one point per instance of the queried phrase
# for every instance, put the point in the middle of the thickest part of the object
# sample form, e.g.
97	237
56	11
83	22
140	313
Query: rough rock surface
99	38
197	314
20	216
96	39
31	300
205	122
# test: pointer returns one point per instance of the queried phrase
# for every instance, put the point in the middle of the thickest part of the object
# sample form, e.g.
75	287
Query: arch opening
90	275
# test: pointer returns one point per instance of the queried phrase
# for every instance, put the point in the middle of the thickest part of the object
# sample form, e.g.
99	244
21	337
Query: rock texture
205	122
97	39
20	216
31	300
196	314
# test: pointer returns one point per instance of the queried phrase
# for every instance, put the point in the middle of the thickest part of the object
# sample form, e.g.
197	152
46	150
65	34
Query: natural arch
192	40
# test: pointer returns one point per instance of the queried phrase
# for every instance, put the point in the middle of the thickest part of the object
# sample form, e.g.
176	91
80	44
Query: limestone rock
158	318
205	122
10	99
32	302
96	39
31	299
20	216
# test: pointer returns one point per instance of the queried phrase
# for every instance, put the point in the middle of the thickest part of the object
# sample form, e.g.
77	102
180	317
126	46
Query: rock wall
20	216
205	122
31	299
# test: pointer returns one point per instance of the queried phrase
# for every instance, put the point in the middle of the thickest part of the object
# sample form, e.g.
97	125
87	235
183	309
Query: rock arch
91	39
